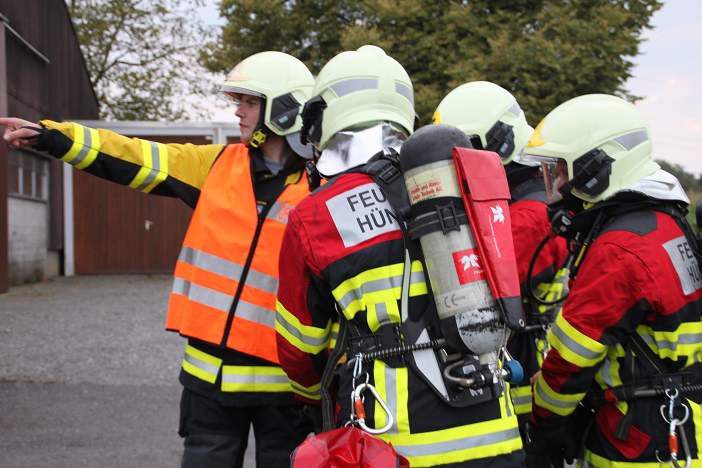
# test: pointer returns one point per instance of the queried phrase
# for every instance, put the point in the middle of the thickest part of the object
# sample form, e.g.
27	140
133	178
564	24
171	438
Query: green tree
687	179
142	56
543	51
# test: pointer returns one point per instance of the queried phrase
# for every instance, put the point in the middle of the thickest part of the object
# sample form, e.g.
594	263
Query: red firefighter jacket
639	276
530	225
343	250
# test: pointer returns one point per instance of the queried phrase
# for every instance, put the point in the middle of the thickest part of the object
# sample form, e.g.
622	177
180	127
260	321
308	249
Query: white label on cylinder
433	180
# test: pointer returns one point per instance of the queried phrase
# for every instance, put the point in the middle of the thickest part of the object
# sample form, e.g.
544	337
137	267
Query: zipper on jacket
244	273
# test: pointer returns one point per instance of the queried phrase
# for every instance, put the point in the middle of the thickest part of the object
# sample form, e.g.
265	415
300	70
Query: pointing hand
19	133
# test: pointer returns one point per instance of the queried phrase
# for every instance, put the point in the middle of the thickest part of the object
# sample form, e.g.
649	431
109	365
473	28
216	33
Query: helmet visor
555	172
312	121
234	93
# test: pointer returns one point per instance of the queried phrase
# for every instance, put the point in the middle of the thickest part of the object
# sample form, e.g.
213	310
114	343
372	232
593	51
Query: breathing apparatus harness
396	343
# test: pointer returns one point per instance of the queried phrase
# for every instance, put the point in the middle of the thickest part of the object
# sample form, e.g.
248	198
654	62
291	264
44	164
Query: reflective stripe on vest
254	379
206	288
200	364
235	378
470	442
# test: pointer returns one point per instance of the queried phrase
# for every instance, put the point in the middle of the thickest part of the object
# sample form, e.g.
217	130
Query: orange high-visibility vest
226	277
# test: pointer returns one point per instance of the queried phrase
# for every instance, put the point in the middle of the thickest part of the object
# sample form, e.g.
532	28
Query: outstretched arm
174	170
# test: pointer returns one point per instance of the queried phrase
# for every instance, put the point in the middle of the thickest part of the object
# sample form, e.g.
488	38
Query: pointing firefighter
628	341
347	254
226	277
492	118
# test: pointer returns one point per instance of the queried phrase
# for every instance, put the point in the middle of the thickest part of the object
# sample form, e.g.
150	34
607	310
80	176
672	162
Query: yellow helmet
282	81
490	115
358	88
592	146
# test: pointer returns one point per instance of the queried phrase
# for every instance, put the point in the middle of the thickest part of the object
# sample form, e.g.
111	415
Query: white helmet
490	115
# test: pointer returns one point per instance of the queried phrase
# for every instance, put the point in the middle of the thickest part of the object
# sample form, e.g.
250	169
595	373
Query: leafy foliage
142	56
543	51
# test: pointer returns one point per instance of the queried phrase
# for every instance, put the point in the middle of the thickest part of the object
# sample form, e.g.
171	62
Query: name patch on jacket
685	264
361	214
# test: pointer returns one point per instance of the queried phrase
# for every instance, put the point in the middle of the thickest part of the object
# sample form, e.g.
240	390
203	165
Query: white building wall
28	226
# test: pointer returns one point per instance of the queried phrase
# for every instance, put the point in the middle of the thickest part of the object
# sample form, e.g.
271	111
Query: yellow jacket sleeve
175	170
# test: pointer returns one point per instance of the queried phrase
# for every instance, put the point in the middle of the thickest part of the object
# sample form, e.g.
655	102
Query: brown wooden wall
109	224
35	89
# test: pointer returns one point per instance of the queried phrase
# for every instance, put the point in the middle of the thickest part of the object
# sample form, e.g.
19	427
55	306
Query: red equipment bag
486	198
346	447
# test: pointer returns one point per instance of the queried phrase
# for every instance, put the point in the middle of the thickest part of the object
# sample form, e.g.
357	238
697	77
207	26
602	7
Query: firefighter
491	116
628	341
226	277
343	250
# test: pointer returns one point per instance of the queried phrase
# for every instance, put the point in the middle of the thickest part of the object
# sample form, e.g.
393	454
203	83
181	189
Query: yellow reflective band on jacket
685	341
473	441
559	403
521	399
457	444
254	379
391	385
86	143
592	460
382	313
334	334
201	365
378	285
311	393
155	169
573	346
542	348
306	338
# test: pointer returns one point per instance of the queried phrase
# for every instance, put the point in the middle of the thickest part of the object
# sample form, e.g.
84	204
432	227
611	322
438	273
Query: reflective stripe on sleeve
254	379
201	365
311	393
155	169
573	346
560	403
306	338
84	150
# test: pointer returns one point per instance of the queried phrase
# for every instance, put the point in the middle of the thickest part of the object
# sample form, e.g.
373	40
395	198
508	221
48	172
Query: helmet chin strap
258	137
260	133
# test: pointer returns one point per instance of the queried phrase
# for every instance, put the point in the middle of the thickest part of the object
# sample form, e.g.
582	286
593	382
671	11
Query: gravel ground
88	376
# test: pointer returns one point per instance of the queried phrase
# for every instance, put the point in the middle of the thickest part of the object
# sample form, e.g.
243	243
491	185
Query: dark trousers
216	435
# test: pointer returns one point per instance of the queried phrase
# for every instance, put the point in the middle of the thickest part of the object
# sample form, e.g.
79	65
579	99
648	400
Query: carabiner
675	426
360	411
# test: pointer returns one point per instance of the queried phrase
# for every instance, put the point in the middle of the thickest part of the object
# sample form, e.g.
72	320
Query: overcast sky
666	75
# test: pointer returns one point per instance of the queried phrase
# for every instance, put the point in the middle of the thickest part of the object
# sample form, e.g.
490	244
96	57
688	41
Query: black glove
546	448
314	415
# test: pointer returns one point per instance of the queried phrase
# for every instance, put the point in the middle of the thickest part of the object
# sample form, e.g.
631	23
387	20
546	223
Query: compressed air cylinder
469	318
